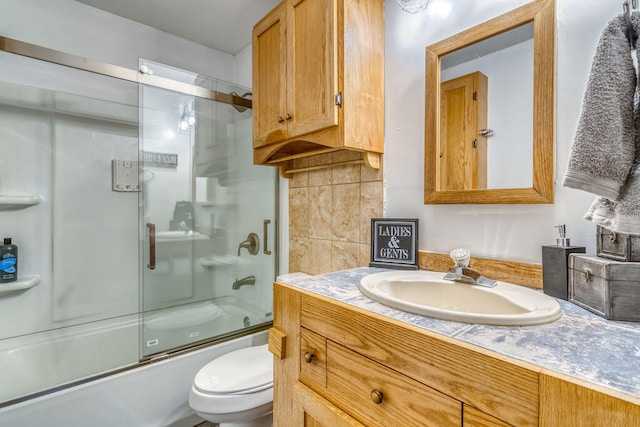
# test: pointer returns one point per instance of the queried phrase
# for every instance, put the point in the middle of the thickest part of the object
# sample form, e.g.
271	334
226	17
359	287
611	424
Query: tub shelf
15	202
20	285
222	261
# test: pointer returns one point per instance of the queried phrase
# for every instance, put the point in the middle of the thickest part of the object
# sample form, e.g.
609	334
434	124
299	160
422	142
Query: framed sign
394	243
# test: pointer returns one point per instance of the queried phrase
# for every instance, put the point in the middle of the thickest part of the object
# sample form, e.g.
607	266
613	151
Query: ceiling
224	25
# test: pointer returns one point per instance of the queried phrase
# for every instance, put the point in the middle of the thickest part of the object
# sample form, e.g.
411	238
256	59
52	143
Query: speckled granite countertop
579	344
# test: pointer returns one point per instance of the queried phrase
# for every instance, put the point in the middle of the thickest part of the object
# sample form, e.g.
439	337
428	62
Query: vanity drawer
313	359
379	396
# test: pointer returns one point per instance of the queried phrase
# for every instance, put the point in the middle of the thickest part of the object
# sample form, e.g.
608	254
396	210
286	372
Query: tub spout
249	280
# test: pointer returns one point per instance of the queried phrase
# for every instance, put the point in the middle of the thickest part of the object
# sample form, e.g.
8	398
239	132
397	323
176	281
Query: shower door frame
41	53
61	58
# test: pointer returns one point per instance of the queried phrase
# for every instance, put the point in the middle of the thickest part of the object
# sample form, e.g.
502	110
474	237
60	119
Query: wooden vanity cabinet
318	80
332	360
362	368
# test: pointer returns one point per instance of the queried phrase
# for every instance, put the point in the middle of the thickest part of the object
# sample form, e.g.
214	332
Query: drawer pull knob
587	274
280	119
308	357
376	396
613	237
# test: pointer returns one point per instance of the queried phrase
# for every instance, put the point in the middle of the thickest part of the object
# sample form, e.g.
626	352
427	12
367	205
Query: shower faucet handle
252	244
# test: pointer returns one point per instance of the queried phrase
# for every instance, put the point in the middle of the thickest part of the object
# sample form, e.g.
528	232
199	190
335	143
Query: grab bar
152	246
265	233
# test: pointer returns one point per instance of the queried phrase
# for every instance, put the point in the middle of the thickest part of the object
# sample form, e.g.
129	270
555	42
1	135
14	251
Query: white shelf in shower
217	204
223	261
21	284
15	201
178	236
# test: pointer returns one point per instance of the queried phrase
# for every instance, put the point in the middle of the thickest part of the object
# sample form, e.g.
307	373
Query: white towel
603	149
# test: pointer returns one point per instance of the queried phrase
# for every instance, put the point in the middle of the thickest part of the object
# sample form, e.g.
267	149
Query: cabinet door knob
280	119
308	357
289	116
376	396
613	237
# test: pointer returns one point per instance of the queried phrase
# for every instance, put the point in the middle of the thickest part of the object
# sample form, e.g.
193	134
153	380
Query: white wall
513	232
75	28
242	67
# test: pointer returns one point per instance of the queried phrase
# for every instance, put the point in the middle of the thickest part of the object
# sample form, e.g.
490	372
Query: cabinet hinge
475	96
339	99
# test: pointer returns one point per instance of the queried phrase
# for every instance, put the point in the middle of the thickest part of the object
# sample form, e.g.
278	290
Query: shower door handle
265	234
152	246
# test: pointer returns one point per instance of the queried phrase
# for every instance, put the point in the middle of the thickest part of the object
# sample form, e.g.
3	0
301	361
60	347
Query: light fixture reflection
187	120
414	6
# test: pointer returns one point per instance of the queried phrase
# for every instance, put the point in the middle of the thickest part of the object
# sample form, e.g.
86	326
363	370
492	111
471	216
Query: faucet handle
461	257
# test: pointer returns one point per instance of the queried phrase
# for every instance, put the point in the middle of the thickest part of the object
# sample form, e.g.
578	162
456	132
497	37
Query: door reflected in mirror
486	113
489	125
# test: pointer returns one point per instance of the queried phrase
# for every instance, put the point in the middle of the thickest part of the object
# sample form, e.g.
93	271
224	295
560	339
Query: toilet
236	389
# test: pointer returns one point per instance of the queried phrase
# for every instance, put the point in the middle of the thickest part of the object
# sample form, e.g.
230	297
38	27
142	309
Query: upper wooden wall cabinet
318	80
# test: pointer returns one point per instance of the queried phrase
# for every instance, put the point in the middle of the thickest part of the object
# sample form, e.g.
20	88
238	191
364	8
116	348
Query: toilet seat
239	381
248	370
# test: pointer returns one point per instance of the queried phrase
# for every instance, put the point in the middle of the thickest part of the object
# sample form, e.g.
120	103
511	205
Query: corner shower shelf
218	204
20	285
16	202
222	261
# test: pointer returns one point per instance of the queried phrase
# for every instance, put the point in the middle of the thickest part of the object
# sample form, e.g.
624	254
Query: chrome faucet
249	280
184	227
251	244
461	272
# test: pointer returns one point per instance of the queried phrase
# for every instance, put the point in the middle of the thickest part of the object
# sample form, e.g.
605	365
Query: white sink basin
426	293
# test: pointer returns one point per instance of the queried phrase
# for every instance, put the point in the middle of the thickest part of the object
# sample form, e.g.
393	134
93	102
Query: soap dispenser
555	264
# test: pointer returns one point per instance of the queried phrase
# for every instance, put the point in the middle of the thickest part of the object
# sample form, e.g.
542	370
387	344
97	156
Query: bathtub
176	326
39	362
152	395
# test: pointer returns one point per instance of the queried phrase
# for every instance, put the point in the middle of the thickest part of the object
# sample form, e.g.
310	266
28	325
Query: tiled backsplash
330	213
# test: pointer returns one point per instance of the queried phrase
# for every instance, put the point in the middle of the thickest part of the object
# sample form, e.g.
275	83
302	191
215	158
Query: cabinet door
319	412
312	66
569	402
269	78
472	417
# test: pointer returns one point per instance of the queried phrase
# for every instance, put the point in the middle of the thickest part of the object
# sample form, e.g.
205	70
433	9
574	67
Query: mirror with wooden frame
461	165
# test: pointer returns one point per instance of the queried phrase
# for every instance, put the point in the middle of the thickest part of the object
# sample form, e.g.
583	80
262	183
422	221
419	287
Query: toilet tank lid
241	371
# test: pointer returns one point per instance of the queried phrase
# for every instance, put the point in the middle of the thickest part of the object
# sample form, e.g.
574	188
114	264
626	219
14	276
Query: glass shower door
207	217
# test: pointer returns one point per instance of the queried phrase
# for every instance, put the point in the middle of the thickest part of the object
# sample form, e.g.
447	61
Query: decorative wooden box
608	288
618	246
